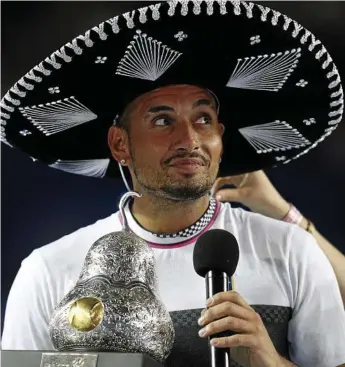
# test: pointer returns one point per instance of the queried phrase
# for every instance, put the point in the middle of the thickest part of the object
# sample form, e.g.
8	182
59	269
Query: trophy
114	306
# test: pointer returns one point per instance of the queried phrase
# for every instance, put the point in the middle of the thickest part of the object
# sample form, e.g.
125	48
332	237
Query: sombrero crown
278	88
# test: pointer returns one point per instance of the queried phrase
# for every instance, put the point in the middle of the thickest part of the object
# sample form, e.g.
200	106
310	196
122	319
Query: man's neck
168	217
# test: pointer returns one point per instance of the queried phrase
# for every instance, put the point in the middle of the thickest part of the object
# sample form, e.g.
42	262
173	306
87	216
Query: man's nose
186	137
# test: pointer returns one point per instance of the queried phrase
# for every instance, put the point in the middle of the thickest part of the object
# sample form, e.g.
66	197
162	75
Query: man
171	141
287	304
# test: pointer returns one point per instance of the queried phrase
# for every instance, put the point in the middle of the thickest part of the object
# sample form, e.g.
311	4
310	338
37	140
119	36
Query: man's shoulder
244	218
267	231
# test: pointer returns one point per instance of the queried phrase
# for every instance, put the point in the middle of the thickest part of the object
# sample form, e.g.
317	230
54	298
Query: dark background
41	204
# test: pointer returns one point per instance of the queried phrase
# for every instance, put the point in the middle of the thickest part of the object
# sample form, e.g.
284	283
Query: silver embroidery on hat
209	10
114	24
196	8
249	8
255	40
264	12
337	112
18	92
335	83
309	122
337	93
155	11
335	121
129	16
313	43
90	167
143	16
146	58
25	132
53	90
329	130
180	36
172	7
273	136
336	103
275	17
264	72
302	83
101	59
297	29
100	30
54	117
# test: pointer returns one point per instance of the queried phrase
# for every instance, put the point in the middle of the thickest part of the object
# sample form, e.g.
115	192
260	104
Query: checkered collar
181	238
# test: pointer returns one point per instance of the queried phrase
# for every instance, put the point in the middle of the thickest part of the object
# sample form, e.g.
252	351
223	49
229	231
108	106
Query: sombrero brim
279	91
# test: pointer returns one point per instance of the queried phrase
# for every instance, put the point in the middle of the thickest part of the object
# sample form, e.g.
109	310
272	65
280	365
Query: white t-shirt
280	264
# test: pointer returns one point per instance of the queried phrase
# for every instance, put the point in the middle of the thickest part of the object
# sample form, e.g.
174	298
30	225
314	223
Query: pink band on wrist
293	216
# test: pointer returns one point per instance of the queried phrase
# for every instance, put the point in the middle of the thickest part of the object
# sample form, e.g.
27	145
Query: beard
159	183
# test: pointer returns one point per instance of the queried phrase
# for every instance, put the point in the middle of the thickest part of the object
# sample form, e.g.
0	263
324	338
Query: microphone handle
217	282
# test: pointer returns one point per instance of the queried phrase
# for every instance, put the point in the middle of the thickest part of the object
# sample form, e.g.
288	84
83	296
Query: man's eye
162	121
205	119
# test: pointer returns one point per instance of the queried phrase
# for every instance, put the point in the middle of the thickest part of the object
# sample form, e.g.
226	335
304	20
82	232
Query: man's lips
187	162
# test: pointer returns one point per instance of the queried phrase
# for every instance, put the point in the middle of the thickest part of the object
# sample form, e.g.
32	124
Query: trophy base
25	358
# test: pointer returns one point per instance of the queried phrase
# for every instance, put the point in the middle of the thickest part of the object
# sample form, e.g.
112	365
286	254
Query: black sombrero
279	91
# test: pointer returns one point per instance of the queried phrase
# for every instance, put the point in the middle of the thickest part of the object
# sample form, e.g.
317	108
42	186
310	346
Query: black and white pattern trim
195	228
12	98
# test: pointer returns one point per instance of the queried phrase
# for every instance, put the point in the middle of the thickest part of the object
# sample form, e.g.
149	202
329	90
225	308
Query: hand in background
255	191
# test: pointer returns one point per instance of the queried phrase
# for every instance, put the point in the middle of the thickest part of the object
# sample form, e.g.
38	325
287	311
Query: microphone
215	258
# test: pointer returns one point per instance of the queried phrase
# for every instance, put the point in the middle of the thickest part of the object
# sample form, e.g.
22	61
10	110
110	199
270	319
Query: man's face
175	142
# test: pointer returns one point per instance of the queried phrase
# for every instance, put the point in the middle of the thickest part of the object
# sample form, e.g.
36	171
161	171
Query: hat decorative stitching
146	58
264	72
68	112
91	167
277	136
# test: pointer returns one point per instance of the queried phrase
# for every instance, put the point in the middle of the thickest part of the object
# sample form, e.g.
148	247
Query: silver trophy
115	305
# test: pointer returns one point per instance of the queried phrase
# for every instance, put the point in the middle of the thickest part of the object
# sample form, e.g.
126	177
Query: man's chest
257	281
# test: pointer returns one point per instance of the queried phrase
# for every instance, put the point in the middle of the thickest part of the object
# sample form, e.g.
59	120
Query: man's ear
221	128
118	143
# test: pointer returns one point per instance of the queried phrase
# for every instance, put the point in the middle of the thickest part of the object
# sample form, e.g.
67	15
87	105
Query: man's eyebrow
203	102
198	103
161	108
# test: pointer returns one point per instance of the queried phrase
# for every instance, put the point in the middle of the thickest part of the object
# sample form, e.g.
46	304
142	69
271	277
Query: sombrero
278	89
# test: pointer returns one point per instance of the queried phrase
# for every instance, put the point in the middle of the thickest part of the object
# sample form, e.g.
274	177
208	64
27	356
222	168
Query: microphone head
216	250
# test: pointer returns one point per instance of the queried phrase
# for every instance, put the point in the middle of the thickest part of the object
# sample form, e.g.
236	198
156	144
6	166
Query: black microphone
215	258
